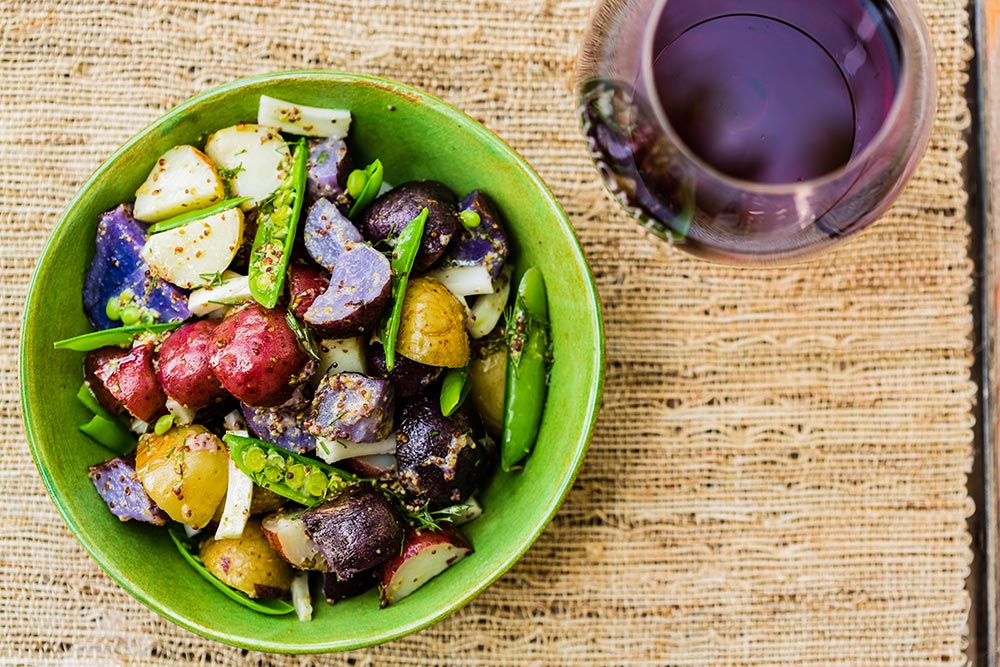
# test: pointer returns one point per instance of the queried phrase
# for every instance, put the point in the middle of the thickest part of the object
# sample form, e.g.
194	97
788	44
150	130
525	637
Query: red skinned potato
257	357
425	555
124	379
359	291
183	368
305	283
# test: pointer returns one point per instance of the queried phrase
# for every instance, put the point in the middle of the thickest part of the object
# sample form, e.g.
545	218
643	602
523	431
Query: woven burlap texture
779	471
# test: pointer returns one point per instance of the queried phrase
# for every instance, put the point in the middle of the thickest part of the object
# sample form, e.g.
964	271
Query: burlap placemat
779	471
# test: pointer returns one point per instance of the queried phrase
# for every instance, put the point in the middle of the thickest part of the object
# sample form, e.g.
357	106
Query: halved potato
183	180
195	254
302	119
185	471
254	157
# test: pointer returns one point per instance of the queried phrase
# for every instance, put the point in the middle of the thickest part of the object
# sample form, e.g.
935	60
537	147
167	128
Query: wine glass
753	131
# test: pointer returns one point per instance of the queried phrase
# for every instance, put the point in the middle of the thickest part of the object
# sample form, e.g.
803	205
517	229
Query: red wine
762	99
754	128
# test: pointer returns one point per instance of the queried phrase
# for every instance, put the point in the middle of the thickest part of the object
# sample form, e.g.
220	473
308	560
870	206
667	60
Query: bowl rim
466	123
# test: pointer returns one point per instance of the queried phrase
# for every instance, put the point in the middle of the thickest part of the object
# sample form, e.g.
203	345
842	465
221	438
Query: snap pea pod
277	221
367	190
103	427
403	254
272	607
191	216
300	478
454	388
527	369
117	336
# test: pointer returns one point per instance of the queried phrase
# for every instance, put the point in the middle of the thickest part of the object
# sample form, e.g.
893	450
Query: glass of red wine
753	131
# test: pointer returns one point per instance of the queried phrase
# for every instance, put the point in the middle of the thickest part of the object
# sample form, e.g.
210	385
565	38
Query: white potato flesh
332	451
195	254
182	415
286	534
184	179
301	119
473	510
347	355
234	290
256	156
432	558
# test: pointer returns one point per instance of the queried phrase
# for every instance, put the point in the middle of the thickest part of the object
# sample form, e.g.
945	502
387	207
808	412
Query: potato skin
432	325
358	294
488	379
185	472
438	461
395	209
355	530
305	283
248	563
256	356
124	379
409	377
183	369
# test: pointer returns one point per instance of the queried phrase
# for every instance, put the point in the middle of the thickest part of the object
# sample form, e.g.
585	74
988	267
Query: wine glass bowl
754	131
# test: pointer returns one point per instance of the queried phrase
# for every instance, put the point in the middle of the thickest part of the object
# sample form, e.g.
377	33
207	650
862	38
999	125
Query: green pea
277	460
163	424
296	476
470	219
356	182
113	309
273	473
146	317
130	315
316	483
254	459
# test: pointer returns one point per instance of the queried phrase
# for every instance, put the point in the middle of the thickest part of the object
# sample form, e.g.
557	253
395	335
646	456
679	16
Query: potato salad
305	374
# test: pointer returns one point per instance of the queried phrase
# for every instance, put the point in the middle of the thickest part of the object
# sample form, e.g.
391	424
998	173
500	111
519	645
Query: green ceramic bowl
415	136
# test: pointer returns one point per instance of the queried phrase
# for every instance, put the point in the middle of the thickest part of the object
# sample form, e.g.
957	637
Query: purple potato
359	291
116	482
353	407
483	245
336	589
117	267
394	210
327	232
408	377
283	425
438	460
355	530
327	169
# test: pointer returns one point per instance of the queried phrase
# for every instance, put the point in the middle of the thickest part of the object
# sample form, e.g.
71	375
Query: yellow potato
488	380
248	563
185	471
432	325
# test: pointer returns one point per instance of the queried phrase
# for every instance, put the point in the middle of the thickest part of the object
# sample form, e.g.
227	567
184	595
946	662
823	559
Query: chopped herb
214	279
